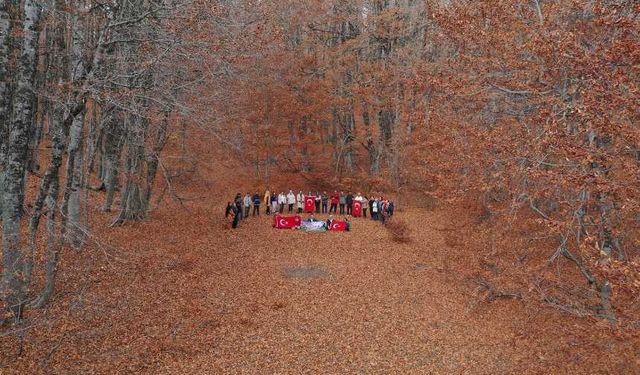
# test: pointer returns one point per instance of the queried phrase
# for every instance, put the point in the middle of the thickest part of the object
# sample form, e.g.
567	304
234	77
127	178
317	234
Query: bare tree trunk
370	144
154	158
5	93
50	178
54	244
113	145
13	280
75	230
75	169
132	207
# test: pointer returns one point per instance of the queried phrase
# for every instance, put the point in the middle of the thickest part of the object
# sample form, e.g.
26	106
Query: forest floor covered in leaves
183	293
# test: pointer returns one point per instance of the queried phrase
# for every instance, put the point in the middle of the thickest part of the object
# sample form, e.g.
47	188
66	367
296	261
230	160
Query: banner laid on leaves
309	203
313	226
357	209
286	222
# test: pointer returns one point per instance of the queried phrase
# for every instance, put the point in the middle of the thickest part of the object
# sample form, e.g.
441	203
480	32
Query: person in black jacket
256	204
236	216
349	201
238	203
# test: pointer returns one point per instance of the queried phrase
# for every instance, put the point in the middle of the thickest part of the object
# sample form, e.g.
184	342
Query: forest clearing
498	142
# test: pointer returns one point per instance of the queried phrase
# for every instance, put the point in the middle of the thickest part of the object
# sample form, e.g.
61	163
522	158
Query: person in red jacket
335	199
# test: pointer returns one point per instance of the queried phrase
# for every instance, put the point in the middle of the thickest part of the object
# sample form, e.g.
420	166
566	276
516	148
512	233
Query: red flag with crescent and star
339	226
286	222
357	209
309	203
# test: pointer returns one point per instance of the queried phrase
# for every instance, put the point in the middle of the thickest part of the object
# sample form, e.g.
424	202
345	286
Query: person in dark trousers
375	210
325	202
318	201
349	201
342	200
236	216
256	204
238	204
229	210
371	206
274	203
334	200
391	208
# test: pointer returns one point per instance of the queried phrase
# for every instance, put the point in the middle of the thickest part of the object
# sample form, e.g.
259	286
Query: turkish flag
286	222
338	226
357	209
309	204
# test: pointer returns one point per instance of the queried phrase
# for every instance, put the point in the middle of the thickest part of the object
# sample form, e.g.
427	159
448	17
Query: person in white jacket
282	201
291	200
300	201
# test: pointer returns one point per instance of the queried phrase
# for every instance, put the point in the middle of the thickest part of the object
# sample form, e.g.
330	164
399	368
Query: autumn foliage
507	130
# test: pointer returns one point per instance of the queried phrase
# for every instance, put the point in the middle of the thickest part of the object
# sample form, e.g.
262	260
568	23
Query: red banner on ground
340	226
286	222
357	209
309	204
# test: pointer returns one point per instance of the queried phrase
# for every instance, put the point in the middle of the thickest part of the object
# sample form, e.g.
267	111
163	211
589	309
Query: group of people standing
337	203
